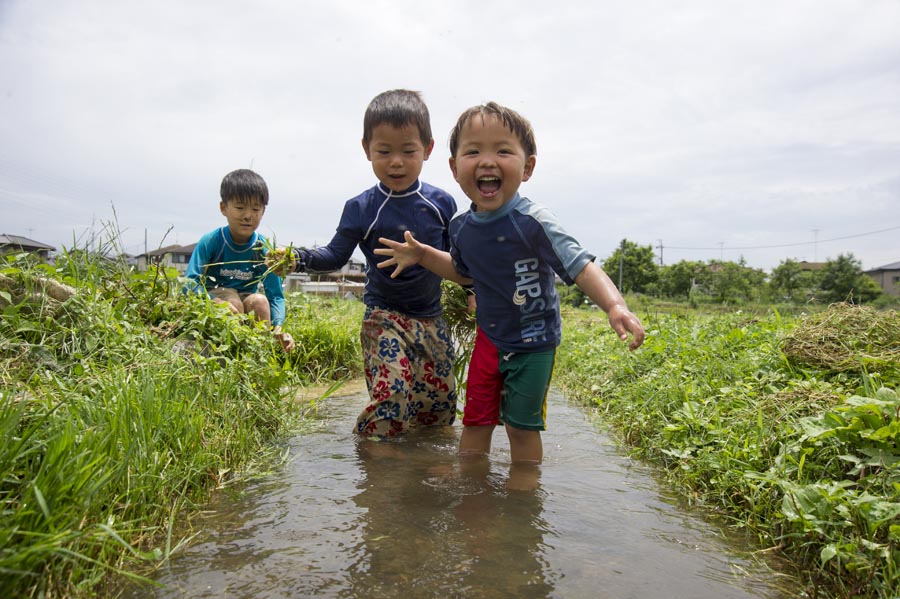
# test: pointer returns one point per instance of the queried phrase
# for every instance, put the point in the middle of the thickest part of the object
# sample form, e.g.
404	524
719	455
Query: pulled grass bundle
455	301
847	337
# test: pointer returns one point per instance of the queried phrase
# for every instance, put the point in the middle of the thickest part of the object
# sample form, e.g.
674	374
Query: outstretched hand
623	321
402	254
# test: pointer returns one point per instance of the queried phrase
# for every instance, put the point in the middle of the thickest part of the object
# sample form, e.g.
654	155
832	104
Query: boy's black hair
244	184
514	121
398	108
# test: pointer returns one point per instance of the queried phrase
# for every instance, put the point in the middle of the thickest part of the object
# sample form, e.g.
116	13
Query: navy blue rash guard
512	254
424	210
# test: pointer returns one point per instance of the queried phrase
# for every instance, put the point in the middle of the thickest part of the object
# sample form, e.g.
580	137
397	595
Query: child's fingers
388	242
391	262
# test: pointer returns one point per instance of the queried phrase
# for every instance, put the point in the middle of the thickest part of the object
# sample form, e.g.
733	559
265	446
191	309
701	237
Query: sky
709	130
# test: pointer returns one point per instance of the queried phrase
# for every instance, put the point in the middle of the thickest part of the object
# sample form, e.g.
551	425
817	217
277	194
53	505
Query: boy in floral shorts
407	351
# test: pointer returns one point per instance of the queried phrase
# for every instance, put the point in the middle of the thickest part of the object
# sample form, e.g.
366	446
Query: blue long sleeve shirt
422	209
218	261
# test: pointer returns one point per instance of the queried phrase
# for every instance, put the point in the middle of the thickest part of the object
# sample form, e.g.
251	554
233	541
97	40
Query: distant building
888	277
176	256
11	244
804	265
349	279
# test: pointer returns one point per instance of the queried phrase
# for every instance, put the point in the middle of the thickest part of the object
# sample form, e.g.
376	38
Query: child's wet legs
475	440
525	445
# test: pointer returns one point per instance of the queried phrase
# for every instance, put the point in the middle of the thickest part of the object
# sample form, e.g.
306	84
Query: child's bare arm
597	285
411	252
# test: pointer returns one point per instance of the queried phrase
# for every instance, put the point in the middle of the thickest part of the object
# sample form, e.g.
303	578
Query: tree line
635	270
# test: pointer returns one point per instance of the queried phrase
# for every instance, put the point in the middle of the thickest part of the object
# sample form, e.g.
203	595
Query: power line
721	246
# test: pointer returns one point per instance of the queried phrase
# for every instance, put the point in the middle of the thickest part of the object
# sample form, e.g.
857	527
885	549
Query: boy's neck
416	186
237	240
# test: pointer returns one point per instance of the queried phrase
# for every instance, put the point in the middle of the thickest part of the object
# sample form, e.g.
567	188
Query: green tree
842	279
638	269
735	282
789	281
677	280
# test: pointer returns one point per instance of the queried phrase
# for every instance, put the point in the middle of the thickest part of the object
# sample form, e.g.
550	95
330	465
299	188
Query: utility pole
621	263
815	245
660	246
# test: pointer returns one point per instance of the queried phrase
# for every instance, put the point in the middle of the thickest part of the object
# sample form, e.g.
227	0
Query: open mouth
488	186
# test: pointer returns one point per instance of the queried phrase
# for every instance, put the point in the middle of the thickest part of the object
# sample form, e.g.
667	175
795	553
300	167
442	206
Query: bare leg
475	440
259	305
523	477
525	446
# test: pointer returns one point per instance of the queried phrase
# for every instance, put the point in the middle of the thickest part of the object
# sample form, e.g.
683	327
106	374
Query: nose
486	159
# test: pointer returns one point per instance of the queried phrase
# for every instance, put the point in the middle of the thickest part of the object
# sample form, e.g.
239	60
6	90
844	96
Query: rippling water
406	519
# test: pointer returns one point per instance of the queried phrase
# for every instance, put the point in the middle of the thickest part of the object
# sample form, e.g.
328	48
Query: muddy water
406	520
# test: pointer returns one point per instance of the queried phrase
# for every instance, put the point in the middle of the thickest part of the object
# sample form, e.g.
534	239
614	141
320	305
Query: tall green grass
805	459
125	405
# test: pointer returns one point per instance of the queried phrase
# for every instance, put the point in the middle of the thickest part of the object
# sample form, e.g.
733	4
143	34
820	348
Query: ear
366	150
453	167
222	208
429	148
529	167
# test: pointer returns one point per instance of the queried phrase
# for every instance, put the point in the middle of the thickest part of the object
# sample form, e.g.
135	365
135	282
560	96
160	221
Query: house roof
891	266
24	242
171	249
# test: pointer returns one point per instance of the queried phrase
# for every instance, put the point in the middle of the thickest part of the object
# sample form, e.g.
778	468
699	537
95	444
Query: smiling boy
511	248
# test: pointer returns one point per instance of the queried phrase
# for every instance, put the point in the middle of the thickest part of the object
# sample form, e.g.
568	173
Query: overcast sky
720	129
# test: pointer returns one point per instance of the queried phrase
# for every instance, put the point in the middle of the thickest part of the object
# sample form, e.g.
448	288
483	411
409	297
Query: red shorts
511	388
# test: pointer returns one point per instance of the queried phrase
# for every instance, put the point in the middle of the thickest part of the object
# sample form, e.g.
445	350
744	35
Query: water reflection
436	528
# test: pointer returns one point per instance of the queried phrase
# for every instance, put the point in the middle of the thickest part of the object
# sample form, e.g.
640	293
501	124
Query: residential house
888	277
10	244
176	256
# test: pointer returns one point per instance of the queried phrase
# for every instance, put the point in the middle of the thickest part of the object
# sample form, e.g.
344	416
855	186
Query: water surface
406	519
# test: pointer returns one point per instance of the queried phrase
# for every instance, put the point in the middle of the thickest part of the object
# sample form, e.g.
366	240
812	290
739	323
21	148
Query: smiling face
490	163
243	217
397	154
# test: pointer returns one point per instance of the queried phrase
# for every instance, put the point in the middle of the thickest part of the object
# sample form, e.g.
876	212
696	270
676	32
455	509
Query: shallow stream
406	519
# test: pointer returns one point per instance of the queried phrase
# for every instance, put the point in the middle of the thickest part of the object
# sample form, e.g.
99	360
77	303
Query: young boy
407	351
511	248
228	263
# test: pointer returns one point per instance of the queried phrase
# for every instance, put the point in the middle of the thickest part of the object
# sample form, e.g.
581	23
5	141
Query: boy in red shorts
510	247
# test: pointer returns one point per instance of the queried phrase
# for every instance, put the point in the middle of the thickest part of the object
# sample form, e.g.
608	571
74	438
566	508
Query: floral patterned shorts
409	373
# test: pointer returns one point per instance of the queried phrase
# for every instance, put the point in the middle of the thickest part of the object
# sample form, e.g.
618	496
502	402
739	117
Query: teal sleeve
196	268
275	295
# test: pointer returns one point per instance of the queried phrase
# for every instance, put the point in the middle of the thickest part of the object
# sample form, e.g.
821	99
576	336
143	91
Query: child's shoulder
211	236
434	192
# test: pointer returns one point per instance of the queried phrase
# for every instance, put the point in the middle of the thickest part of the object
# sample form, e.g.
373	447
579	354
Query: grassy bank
123	404
786	427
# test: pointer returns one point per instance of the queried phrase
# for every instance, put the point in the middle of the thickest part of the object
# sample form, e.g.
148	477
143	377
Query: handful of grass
281	261
455	302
